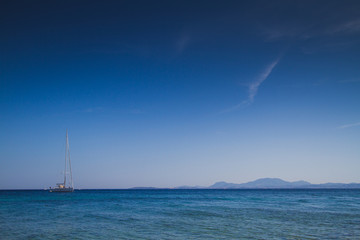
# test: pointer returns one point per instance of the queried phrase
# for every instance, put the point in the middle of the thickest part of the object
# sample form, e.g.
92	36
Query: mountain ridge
277	183
268	183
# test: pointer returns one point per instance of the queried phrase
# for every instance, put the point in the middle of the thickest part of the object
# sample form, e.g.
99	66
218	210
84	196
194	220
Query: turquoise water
181	214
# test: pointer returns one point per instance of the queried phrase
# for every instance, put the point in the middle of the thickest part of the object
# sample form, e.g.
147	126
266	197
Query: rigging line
66	148
71	179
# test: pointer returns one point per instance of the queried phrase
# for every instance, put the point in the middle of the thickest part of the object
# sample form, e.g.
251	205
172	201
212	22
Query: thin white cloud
254	86
182	43
233	108
274	33
350	125
347	27
305	32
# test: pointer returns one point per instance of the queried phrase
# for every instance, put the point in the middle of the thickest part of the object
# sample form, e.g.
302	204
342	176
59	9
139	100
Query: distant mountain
336	185
269	183
264	183
144	188
190	187
223	185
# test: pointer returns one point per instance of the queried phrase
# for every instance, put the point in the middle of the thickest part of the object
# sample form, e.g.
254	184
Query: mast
71	179
62	187
66	152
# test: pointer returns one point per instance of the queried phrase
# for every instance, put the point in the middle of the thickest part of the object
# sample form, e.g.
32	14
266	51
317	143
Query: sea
181	214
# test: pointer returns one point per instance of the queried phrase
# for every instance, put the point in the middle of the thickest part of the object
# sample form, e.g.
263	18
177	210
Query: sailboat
68	184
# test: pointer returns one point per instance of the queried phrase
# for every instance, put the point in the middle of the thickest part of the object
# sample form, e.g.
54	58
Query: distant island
270	183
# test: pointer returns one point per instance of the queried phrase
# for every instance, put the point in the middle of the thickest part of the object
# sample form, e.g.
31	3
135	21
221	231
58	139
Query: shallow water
181	214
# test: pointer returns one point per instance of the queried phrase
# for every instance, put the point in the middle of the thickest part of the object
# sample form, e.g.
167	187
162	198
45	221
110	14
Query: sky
171	93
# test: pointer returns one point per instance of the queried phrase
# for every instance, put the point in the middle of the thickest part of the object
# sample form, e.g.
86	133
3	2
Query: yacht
68	184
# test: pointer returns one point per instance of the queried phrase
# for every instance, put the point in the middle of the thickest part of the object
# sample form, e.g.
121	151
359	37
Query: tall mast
71	180
66	152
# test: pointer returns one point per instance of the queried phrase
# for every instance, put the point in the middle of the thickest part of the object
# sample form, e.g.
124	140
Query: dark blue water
181	214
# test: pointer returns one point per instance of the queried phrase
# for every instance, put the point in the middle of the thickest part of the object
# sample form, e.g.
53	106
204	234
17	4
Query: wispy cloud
352	26
275	33
182	43
350	125
329	32
254	86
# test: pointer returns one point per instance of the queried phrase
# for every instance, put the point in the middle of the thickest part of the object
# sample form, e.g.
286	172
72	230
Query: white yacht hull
61	190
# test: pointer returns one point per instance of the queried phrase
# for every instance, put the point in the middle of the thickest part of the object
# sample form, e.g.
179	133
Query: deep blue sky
169	93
